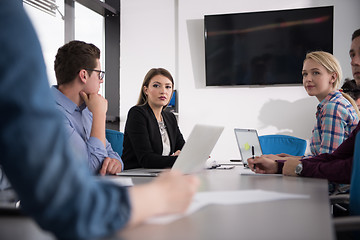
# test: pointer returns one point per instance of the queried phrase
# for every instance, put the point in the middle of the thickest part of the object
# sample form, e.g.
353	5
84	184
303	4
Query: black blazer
142	139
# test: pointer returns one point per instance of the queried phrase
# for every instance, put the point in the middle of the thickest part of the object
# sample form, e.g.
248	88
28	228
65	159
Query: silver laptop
193	155
248	143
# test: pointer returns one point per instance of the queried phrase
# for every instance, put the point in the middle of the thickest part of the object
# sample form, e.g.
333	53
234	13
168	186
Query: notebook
247	140
193	155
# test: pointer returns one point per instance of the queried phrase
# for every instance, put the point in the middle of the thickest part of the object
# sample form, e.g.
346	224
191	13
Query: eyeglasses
101	73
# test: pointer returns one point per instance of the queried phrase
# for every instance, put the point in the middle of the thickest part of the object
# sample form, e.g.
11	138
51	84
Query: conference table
294	218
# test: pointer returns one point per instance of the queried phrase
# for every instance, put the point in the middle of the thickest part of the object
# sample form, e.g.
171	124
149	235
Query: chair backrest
116	140
276	144
355	180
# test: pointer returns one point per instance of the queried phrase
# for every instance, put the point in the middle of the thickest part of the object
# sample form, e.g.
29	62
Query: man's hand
264	164
96	103
110	166
98	106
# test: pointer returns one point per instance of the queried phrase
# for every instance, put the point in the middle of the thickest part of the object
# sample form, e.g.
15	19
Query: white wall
147	40
169	34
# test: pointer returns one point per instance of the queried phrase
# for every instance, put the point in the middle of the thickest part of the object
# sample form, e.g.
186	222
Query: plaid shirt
335	120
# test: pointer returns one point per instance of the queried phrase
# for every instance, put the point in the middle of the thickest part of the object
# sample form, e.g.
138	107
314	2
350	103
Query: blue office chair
116	140
352	223
276	144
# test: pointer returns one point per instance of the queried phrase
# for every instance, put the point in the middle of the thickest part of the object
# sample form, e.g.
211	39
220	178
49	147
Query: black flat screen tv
264	48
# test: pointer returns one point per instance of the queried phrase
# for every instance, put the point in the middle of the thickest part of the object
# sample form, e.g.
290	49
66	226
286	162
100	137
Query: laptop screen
247	140
197	148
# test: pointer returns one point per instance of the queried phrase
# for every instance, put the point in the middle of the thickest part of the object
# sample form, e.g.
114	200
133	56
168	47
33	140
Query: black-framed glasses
101	73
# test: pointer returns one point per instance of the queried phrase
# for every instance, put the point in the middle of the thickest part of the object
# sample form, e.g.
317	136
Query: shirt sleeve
96	150
97	153
333	127
55	189
93	149
335	167
113	154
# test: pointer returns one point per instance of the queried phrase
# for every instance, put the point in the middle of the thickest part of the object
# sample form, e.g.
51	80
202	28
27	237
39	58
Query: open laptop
248	143
193	155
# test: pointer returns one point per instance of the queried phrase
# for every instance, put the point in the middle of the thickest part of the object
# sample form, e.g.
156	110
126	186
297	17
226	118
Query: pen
253	155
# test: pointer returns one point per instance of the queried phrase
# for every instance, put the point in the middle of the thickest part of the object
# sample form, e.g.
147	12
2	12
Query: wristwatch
299	169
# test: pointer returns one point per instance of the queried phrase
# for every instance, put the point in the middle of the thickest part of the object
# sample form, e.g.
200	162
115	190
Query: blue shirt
55	187
77	122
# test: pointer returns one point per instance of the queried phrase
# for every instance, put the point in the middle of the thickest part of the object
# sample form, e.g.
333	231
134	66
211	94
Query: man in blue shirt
55	188
79	75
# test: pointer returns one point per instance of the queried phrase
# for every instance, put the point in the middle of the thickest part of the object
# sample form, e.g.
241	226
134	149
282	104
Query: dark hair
349	87
152	73
72	57
355	34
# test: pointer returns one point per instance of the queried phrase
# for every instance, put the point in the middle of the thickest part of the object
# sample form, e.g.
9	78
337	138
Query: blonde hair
353	103
332	65
329	62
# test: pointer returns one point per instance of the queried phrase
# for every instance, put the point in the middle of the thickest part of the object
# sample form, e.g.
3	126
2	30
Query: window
89	27
49	25
50	30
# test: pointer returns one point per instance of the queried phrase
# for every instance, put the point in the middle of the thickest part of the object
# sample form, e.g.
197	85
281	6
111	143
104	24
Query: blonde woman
337	113
336	117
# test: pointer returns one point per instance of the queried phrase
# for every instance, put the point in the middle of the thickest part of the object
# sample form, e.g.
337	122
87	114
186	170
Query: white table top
307	218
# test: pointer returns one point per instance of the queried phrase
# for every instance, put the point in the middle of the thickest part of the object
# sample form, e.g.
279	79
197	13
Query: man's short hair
349	87
355	34
72	57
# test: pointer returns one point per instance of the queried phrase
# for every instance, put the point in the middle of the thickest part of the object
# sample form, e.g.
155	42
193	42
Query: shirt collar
331	96
65	102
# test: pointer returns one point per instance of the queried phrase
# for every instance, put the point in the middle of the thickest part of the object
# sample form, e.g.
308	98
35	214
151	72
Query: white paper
121	181
247	171
202	199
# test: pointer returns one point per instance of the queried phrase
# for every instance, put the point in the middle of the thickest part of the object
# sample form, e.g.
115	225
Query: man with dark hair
355	56
78	74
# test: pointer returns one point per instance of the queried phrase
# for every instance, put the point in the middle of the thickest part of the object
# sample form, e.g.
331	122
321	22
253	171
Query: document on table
121	181
202	199
247	171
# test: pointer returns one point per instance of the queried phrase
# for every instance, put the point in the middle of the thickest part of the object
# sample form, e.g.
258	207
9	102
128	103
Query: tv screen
263	48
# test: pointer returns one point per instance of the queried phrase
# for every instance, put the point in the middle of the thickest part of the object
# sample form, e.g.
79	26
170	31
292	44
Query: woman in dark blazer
152	138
